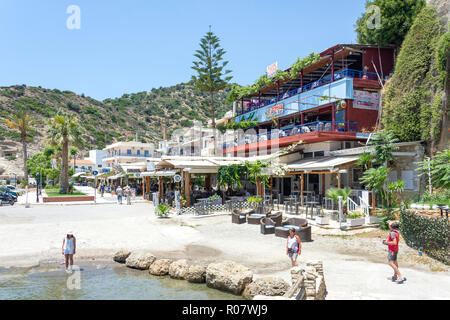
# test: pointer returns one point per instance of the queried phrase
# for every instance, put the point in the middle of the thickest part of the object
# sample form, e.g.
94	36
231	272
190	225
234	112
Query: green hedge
431	235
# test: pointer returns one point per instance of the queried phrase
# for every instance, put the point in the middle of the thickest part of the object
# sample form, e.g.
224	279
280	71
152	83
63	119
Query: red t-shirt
393	235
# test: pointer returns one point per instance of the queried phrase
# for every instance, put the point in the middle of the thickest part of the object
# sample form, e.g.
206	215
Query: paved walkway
107	199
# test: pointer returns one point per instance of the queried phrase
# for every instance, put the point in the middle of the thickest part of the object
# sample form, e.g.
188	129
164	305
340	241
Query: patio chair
302	229
237	217
267	226
255	218
276	217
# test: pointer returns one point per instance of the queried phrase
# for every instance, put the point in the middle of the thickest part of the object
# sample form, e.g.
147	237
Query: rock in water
228	276
179	269
269	287
121	256
160	267
196	274
140	260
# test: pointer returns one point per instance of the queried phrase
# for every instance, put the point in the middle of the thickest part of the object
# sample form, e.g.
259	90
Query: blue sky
136	45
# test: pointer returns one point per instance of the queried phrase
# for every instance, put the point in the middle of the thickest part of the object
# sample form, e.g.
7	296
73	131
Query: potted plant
335	193
323	219
355	219
162	210
256	201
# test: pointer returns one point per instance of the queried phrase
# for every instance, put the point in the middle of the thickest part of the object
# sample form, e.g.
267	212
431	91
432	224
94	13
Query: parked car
19	191
6	198
13	194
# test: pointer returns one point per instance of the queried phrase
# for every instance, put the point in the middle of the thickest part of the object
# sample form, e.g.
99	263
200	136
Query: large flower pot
356	222
323	220
372	219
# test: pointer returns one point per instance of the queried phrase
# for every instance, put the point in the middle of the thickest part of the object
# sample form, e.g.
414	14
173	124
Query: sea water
100	283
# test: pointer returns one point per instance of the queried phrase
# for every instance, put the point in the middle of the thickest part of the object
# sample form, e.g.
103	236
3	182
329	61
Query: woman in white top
69	248
293	247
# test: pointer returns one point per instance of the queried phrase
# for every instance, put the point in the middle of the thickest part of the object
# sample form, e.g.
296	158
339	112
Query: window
308	155
128	152
408	177
319	154
146	153
357	174
99	166
139	152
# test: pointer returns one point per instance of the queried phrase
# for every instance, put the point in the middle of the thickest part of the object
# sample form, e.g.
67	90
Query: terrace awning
79	174
331	164
159	174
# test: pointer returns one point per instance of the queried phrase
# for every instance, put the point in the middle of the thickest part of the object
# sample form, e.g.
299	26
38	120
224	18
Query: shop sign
275	111
366	100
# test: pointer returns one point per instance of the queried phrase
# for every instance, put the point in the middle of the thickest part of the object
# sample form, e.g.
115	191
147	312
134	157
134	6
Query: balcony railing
318	126
346	73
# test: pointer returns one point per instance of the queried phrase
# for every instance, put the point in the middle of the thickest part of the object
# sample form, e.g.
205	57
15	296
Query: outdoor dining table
311	204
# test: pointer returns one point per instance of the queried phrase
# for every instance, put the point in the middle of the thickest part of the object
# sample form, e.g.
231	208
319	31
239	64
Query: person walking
128	195
102	189
119	192
393	244
293	247
69	248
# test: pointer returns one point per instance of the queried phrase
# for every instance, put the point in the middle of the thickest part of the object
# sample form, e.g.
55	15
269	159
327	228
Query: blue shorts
392	256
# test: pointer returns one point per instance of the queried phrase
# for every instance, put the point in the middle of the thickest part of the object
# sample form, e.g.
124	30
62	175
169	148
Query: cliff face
442	10
415	102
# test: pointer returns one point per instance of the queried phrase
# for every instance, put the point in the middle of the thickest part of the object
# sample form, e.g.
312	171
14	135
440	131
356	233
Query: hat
70	232
393	224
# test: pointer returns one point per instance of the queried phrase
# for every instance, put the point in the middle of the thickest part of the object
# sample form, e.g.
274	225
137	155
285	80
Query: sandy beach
355	264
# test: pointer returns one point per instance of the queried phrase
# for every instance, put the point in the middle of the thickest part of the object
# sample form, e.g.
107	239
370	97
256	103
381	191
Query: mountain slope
112	119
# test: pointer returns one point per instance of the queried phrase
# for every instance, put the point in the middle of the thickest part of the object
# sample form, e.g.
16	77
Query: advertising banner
366	100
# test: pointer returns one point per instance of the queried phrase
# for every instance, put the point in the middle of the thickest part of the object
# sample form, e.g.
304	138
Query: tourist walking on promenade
128	195
69	248
293	247
119	194
102	189
392	242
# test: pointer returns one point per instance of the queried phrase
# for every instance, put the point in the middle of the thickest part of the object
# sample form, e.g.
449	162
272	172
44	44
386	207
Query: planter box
68	199
372	219
323	220
356	222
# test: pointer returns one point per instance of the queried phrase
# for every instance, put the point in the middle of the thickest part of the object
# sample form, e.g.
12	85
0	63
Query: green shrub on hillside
413	105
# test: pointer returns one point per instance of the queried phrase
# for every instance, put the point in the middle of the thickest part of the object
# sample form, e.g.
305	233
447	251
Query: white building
128	152
97	157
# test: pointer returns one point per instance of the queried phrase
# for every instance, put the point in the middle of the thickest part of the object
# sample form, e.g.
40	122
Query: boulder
179	269
196	274
140	260
228	276
121	256
160	267
269	287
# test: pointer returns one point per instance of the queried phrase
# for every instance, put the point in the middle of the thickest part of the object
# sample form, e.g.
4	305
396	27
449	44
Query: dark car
15	195
6	198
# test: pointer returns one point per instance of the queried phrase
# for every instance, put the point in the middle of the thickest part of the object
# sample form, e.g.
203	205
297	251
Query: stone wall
308	283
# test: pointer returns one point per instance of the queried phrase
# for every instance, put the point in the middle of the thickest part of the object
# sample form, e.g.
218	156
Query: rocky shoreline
229	276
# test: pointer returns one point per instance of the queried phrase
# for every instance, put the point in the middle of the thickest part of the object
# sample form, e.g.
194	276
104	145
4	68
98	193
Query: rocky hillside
110	120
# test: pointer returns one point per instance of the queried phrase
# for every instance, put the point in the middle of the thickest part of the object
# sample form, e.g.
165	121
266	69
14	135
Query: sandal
401	281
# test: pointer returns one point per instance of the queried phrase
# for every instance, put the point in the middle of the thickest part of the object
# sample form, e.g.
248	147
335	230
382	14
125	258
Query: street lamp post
37	187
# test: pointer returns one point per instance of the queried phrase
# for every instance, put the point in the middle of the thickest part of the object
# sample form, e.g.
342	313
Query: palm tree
73	153
64	130
21	121
335	193
365	160
383	142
